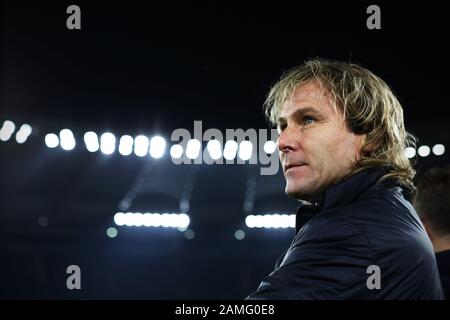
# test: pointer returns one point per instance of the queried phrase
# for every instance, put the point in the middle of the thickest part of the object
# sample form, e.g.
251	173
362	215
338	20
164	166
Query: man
433	205
342	147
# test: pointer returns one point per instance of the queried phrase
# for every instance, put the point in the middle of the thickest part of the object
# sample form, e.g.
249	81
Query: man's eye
308	120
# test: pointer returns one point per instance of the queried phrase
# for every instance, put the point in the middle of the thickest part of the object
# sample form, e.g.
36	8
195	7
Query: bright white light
141	144
245	150
119	219
173	220
230	150
410	152
154	220
126	145
107	143
51	140
4	136
250	221
23	133
7	130
168	220
148	220
128	219
270	221
91	141
287	221
267	221
138	219
176	151
26	128
438	149
193	148
67	140
20	138
157	147
270	147
276	221
165	220
9	126
184	220
259	222
214	149
424	151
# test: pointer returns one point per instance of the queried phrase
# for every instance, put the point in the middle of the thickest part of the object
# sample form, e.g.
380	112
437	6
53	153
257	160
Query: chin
302	192
297	193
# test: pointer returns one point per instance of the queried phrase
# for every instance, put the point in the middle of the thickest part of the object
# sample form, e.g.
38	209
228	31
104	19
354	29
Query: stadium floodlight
270	147
91	141
424	151
214	149
410	152
230	150
126	145
245	150
193	148
176	151
167	220
51	140
107	143
23	133
270	221
141	145
157	147
438	149
67	140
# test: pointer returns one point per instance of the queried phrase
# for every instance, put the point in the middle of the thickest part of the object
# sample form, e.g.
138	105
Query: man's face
316	147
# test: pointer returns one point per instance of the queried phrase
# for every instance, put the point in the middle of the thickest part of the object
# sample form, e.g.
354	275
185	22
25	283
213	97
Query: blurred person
342	148
433	205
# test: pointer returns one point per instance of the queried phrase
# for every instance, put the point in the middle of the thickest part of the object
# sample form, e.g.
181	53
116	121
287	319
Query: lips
293	165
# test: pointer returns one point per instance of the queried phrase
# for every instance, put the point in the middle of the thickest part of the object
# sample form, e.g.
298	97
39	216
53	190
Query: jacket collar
345	192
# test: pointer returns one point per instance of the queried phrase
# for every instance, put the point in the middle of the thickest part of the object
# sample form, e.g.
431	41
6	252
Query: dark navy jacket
359	222
443	262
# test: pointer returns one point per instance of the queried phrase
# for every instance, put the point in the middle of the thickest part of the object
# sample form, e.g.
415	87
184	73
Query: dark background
149	69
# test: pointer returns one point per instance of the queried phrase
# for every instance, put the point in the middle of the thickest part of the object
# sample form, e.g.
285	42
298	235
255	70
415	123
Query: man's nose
288	140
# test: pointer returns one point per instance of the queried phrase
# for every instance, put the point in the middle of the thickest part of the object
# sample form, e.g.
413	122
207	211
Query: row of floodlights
141	146
181	220
167	220
424	151
155	147
8	128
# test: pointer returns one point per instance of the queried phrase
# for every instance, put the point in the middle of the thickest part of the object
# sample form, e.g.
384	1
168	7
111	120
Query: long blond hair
369	105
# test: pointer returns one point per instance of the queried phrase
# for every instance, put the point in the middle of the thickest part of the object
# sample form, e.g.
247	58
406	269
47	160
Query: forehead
311	95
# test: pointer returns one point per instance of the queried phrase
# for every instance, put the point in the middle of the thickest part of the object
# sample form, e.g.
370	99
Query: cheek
323	145
329	148
344	150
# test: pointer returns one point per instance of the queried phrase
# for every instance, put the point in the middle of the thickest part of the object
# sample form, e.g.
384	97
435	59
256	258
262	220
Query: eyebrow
301	112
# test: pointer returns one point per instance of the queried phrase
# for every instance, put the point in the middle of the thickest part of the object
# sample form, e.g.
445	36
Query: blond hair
369	105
